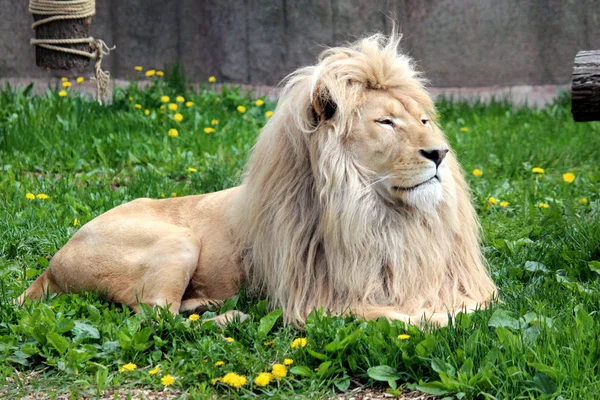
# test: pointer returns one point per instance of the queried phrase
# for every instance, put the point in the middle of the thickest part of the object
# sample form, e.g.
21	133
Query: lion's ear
323	106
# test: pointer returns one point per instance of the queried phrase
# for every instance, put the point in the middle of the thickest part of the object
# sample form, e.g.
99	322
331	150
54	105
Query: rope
73	9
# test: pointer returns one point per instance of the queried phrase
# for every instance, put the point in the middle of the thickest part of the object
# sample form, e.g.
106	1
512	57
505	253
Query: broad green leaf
318	356
436	388
83	330
58	342
301	370
594	266
383	373
268	321
503	319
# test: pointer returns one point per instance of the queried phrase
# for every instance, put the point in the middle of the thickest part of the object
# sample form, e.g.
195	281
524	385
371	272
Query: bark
585	89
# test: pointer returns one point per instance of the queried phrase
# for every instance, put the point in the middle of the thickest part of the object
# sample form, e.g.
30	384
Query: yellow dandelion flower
173	106
464	129
583	200
288	361
241	109
138	68
504	203
138	106
173	132
165	99
219	363
279	370
234	380
214	122
160	73
192	170
492	200
230	339
268	344
263	379
209	130
154	371
146	112
30	196
128	367
194	317
299	342
477	172
162	107
178	117
42	196
62	93
215	380
212	79
150	73
403	336
80	79
180	99
167	380
130	98
259	102
189	104
569	177
64	79
75	222
543	205
173	194
537	170
269	114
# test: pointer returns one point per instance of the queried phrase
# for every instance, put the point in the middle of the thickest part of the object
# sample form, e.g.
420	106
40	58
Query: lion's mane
313	229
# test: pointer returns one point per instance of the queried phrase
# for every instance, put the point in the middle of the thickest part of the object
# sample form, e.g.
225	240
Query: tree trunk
62	29
585	90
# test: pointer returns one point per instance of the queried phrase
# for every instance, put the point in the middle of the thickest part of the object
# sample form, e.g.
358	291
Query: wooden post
585	90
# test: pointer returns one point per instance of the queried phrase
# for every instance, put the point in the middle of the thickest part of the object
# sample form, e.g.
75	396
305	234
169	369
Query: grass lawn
66	159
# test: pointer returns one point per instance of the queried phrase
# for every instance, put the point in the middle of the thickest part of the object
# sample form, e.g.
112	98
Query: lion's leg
199	305
375	312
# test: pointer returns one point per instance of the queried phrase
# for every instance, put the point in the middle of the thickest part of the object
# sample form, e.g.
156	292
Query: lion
351	201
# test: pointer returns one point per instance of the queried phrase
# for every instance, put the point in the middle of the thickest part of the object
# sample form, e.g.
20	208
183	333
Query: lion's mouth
411	188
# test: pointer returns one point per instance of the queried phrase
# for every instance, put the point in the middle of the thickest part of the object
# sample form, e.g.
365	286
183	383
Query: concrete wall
466	43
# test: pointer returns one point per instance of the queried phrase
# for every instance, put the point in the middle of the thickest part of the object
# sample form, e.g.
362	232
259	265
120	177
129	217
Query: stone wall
467	43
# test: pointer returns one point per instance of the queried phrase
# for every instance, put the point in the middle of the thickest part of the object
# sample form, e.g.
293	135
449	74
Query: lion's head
352	196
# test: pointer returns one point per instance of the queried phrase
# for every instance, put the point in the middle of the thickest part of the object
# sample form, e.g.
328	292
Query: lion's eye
386	121
424	121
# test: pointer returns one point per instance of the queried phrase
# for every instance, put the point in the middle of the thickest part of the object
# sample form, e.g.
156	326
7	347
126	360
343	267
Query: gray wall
457	43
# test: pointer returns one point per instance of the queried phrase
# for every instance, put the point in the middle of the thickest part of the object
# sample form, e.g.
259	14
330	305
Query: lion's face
398	143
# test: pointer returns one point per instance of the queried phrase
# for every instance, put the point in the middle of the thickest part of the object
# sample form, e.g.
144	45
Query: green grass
540	341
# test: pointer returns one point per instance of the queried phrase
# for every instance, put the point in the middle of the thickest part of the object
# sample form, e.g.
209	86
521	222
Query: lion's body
351	201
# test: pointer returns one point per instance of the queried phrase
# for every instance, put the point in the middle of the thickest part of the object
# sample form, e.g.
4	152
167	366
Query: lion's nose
436	155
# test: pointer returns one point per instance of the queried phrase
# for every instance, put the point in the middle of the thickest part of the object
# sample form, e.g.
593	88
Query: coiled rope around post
73	9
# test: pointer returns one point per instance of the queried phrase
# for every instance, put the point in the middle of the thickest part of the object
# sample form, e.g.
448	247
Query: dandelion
569	177
209	130
234	380
130	98
154	371
150	73
215	380
263	379
299	342
173	106
214	122
537	170
477	172
162	107
173	194
288	361
219	363
146	112
259	102
269	114
173	132
165	99
30	196
241	109
167	380
138	68
403	336
180	99
138	106
193	317
230	339
62	93
212	79
160	73
492	200
64	79
80	79
543	205
583	200
75	222
189	104
178	117
42	196
128	367
504	203
279	370
269	344
464	129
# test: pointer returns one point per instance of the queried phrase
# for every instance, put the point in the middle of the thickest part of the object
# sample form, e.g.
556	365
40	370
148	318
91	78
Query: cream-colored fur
350	202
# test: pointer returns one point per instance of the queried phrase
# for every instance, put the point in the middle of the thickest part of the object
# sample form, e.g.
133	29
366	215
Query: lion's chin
425	197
